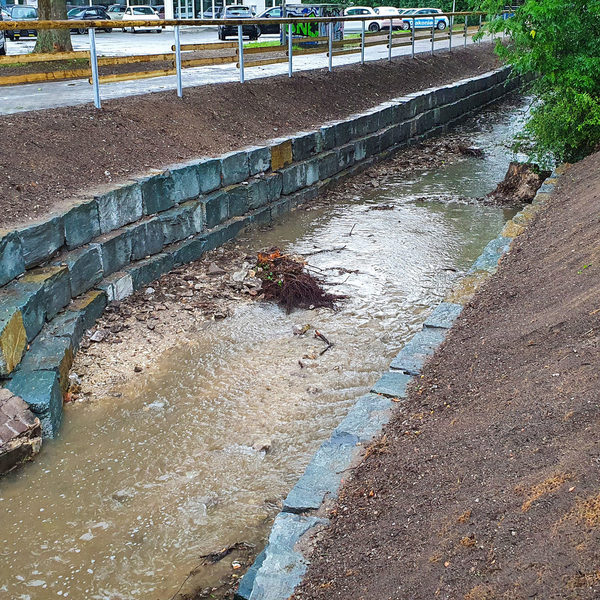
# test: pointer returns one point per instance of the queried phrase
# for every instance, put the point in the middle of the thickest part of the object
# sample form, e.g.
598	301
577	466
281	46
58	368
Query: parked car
2	40
208	13
20	13
88	13
161	11
362	11
425	18
238	12
270	13
384	13
141	13
116	11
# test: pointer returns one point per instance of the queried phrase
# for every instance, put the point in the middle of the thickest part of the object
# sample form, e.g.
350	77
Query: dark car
20	13
2	40
270	13
88	13
238	12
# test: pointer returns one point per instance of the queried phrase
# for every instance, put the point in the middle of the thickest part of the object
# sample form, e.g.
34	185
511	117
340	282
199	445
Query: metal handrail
110	24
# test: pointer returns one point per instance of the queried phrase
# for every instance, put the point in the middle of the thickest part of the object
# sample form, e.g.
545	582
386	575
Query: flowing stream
135	489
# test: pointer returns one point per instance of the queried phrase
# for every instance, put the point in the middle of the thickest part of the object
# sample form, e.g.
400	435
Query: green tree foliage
557	40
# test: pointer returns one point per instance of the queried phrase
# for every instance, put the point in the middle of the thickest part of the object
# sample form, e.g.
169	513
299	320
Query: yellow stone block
512	229
84	300
281	155
42	274
467	287
13	342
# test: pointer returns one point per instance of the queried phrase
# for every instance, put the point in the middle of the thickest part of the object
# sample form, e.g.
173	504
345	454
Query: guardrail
394	37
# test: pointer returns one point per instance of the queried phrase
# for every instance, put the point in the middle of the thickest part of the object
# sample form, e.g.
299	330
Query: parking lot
118	43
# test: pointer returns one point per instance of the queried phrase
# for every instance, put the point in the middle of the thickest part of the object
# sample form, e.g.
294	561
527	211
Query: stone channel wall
281	565
57	276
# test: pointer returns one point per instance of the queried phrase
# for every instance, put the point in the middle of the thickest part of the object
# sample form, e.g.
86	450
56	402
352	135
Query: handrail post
94	65
450	40
479	31
413	38
390	42
432	33
362	44
330	40
290	48
178	61
241	52
466	29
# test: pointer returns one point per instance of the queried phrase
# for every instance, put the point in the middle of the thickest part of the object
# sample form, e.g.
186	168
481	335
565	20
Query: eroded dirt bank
485	484
74	149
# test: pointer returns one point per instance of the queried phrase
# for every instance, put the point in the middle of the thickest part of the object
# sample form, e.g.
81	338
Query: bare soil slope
50	156
486	485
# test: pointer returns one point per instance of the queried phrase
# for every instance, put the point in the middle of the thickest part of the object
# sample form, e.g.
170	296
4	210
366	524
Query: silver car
2	40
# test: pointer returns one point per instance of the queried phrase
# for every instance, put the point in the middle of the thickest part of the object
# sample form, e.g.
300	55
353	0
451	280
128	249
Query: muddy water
136	489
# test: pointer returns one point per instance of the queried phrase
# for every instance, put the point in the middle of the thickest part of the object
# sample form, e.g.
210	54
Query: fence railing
397	30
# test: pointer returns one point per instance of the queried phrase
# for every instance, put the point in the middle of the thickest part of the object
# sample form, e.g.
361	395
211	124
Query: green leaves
558	41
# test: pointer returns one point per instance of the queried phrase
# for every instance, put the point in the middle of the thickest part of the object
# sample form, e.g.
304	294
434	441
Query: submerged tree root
286	281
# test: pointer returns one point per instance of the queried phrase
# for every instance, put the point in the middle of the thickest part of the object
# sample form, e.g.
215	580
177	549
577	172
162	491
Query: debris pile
520	184
286	281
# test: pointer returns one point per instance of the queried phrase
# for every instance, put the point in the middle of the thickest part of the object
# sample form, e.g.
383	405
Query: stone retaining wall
58	275
281	565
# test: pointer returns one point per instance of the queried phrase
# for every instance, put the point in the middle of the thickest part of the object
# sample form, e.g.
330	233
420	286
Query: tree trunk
53	40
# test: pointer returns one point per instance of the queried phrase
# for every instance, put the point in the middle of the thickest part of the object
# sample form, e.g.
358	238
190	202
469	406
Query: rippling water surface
135	489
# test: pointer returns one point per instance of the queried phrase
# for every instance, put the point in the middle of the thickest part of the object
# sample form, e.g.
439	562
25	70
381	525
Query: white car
385	12
361	11
424	18
141	13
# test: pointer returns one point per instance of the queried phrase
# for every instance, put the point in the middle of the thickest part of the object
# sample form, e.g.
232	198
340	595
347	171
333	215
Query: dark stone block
186	185
247	583
234	167
181	222
215	208
328	137
264	190
305	145
237	199
294	178
343	131
90	306
146	238
119	207
85	268
328	165
116	250
145	271
157	193
345	156
187	251
50	353
209	175
69	324
41	391
12	262
82	224
39	242
259	160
